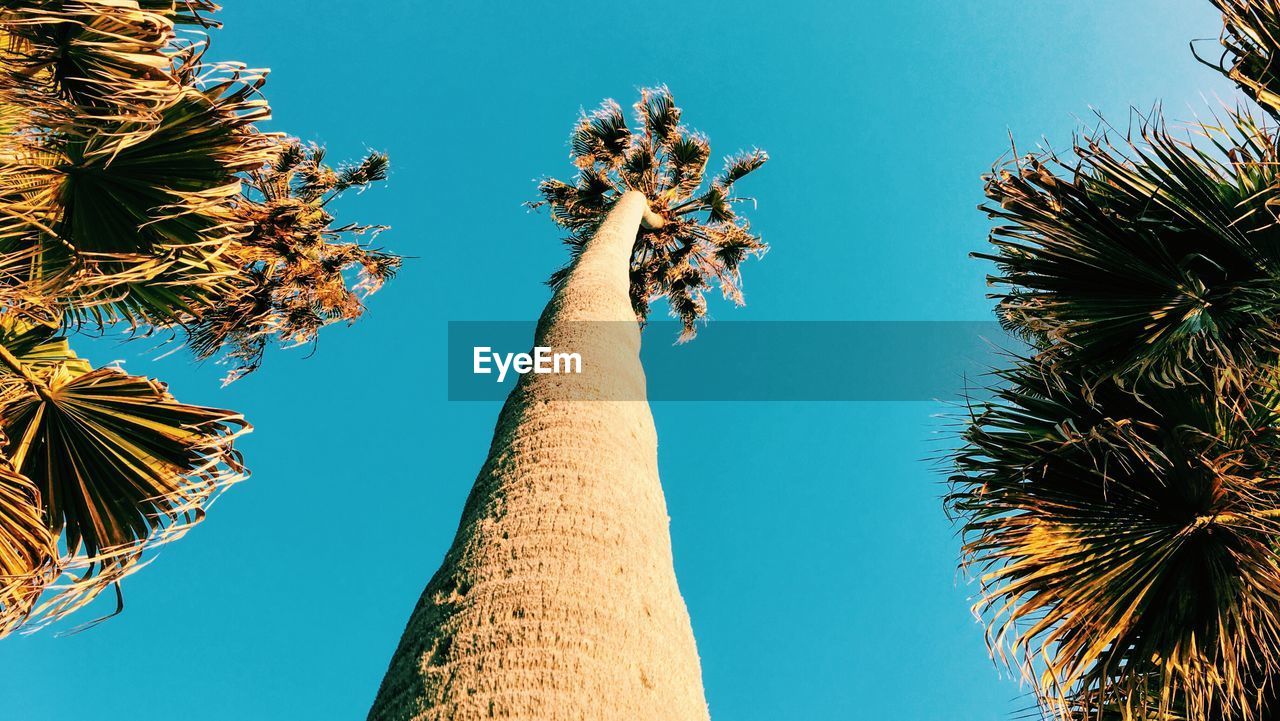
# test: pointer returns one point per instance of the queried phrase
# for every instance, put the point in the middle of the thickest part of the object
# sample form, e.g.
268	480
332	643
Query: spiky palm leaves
1121	494
1156	259
293	267
1250	40
28	549
135	189
119	464
700	240
1126	540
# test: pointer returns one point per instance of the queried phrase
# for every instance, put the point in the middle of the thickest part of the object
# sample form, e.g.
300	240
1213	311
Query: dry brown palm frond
28	550
1250	40
294	263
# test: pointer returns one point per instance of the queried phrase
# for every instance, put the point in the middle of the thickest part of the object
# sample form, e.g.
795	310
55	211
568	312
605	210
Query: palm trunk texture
558	599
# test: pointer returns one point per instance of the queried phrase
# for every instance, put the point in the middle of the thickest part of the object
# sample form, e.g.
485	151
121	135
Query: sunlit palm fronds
1127	542
1250	38
1120	496
144	212
1150	258
120	465
293	265
702	239
28	549
109	59
124	167
137	192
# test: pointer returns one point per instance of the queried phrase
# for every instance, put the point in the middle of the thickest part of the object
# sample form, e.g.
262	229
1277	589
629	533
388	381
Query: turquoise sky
809	539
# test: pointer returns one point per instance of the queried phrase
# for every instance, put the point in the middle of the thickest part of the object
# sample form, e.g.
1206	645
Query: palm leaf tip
1250	41
703	239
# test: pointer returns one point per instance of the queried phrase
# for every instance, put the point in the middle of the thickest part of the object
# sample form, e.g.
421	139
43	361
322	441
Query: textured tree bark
558	599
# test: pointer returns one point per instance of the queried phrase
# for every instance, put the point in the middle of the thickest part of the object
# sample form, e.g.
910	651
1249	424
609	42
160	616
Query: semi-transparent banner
743	360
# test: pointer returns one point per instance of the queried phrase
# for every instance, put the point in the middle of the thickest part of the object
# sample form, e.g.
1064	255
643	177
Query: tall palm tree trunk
558	599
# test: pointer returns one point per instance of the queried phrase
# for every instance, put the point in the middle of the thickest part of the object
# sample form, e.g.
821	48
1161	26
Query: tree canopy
139	194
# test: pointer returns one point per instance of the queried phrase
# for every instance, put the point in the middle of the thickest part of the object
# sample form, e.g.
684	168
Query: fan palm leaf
1126	542
120	465
141	214
104	58
1146	258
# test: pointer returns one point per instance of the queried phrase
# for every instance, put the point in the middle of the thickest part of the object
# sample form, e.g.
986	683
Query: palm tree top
701	239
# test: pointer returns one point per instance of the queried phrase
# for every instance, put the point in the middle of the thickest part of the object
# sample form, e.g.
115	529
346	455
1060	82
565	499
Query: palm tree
137	194
1120	495
558	598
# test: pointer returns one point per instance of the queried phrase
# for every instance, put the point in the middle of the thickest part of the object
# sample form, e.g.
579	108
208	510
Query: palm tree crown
137	192
1119	495
697	238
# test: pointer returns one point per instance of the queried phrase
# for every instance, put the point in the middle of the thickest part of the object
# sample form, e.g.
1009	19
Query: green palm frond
1148	258
120	465
1126	542
683	258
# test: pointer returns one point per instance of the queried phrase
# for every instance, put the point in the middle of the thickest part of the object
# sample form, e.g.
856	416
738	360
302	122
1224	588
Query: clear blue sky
809	541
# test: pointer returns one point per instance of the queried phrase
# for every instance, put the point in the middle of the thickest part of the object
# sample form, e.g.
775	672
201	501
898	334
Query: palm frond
128	211
28	552
659	116
1148	258
293	266
601	137
1125	541
136	187
1250	38
740	166
103	59
120	465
